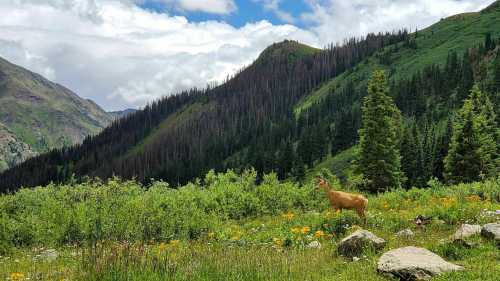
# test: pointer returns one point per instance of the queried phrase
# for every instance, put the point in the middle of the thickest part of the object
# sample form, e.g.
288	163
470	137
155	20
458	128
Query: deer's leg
361	214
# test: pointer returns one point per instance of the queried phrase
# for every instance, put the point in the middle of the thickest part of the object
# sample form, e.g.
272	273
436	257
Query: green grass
457	33
121	231
338	164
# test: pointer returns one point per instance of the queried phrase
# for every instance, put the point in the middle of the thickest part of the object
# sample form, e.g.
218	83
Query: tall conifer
379	157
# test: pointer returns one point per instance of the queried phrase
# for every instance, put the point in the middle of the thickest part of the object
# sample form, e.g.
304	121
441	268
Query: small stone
412	263
354	244
49	255
405	233
466	230
355	259
314	245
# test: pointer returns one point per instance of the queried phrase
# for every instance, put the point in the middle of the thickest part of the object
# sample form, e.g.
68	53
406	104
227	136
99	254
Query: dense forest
251	119
251	107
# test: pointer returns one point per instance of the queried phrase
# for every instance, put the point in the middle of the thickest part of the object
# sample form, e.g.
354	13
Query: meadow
227	227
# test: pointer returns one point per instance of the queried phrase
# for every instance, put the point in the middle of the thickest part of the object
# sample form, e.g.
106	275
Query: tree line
181	137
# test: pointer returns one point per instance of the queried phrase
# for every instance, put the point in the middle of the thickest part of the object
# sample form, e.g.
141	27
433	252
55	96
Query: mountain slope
288	110
40	115
433	45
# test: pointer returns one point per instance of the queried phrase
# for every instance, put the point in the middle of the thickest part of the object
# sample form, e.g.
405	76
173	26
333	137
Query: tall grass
227	227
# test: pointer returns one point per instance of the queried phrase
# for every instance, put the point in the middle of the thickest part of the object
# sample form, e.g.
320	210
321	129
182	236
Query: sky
126	53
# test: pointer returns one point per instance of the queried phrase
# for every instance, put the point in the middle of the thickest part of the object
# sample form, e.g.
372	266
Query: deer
342	200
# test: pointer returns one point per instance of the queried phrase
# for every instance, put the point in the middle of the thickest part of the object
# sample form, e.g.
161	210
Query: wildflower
305	229
236	236
295	230
288	216
328	214
278	242
473	198
16	276
319	234
162	247
174	243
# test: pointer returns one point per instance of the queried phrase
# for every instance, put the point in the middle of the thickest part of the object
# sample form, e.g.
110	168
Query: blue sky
247	11
127	53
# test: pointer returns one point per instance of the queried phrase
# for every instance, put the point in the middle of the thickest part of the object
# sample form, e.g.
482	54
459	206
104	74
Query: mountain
37	115
121	113
294	108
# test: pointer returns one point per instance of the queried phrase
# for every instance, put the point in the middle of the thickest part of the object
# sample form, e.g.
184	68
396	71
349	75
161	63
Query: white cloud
334	20
207	6
274	6
121	55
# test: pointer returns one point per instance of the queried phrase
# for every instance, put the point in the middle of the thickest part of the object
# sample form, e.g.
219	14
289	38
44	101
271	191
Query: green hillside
42	115
434	43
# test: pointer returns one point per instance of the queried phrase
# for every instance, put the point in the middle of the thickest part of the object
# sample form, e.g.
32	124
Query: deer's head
322	184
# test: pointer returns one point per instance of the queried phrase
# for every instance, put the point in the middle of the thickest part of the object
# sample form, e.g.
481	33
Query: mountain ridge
41	114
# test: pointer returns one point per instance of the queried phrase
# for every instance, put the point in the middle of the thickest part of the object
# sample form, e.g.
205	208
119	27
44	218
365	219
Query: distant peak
287	49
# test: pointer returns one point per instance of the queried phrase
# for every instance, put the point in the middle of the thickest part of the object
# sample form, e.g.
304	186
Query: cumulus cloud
207	6
334	20
121	55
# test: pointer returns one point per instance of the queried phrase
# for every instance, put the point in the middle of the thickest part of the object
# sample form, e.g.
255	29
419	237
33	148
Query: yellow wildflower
16	276
162	247
174	243
473	198
295	230
319	234
288	216
278	242
305	229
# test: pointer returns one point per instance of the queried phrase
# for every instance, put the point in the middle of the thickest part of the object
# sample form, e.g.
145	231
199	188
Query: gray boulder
491	231
354	244
412	263
405	233
466	230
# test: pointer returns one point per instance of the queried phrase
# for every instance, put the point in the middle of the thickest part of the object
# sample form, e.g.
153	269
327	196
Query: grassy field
228	228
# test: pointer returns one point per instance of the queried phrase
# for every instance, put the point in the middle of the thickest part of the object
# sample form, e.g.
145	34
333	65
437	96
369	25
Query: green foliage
379	158
475	144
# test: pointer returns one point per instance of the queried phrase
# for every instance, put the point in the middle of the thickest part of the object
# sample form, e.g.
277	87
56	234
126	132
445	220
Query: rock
355	259
354	244
466	230
405	233
412	263
314	245
491	231
49	255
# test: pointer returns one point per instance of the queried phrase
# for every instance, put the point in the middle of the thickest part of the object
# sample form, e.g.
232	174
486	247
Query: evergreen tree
474	151
379	159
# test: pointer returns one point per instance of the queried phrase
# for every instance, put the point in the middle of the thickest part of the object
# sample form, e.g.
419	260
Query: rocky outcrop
12	150
412	263
354	244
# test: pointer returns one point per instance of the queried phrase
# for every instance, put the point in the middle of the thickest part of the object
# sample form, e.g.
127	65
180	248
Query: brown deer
343	200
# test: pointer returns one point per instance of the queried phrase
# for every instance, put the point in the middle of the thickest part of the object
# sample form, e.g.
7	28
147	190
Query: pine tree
379	159
474	152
